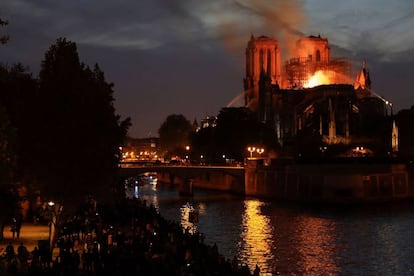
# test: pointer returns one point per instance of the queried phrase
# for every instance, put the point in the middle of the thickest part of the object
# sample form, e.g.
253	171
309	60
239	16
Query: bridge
224	178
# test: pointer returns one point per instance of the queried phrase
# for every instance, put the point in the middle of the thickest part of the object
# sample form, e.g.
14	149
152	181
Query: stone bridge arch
222	178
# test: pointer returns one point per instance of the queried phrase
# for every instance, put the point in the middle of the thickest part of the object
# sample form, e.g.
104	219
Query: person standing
22	253
13	228
19	220
10	251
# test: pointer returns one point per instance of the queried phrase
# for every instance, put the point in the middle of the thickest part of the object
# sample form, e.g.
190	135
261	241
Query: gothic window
261	59
247	63
269	60
318	55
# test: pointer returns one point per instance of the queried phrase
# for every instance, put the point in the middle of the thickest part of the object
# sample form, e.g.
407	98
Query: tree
4	38
235	130
7	148
404	120
15	114
8	204
175	134
79	132
18	91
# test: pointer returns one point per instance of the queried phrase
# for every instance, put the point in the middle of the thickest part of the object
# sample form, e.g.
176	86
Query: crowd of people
129	238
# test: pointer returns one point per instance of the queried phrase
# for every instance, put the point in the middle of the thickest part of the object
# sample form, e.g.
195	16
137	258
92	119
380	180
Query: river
291	239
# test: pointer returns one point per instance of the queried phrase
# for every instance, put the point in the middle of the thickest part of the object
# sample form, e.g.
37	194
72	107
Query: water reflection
189	218
256	235
135	187
316	245
295	240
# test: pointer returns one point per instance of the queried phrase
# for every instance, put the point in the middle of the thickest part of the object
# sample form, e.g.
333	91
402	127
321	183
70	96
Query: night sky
187	56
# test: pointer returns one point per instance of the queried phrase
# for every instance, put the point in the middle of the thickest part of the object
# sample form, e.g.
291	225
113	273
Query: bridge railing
133	164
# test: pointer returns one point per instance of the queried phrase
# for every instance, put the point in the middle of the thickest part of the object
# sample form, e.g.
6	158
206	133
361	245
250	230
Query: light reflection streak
186	222
389	245
256	237
154	199
136	189
316	245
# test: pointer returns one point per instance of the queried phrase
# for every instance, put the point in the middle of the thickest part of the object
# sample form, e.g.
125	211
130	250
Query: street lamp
54	212
260	151
251	150
187	148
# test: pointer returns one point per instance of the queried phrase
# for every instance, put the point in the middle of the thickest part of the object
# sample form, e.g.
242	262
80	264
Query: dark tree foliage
405	119
18	96
15	115
4	38
236	129
9	199
79	134
174	134
7	148
203	143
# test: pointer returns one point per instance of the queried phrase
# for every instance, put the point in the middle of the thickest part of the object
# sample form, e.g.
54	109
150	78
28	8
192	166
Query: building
144	149
261	53
313	104
208	121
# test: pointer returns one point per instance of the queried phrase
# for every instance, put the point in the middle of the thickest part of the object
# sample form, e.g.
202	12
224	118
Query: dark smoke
272	16
236	20
281	20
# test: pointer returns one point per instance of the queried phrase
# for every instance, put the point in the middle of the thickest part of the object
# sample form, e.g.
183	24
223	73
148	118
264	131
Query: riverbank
128	238
30	235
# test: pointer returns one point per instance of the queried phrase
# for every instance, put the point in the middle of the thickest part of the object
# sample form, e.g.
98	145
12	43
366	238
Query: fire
318	78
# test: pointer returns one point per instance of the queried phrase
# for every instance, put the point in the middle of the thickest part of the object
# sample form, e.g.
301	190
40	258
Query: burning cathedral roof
312	65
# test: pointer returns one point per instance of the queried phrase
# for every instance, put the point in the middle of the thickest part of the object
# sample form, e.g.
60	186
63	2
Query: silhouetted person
10	251
19	220
35	257
13	228
22	253
256	271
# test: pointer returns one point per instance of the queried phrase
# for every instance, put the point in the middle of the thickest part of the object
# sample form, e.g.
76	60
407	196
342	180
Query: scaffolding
299	70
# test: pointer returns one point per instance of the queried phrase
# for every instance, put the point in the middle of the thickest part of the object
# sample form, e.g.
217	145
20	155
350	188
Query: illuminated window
318	55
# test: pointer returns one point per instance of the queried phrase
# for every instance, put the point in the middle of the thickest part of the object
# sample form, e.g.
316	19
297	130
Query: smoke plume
280	19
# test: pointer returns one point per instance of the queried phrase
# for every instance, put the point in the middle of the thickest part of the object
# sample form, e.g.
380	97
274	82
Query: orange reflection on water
186	223
256	237
316	245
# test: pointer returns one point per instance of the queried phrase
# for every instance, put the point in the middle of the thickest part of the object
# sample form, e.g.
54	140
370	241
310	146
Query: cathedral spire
363	81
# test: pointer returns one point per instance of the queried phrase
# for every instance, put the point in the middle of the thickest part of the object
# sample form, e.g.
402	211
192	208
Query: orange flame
318	78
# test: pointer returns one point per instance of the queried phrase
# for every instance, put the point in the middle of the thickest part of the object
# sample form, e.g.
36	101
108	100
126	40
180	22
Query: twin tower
263	55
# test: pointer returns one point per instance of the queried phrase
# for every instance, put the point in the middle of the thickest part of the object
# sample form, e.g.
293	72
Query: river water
290	239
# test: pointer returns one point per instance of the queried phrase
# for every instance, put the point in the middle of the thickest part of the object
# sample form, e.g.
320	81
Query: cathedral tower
262	54
313	48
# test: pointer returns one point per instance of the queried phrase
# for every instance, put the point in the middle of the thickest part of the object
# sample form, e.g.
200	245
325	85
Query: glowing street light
54	213
187	156
251	150
260	151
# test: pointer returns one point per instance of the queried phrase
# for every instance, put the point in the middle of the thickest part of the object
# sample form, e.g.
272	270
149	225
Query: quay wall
337	181
219	179
327	180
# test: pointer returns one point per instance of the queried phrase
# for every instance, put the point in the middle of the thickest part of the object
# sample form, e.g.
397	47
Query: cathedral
311	99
